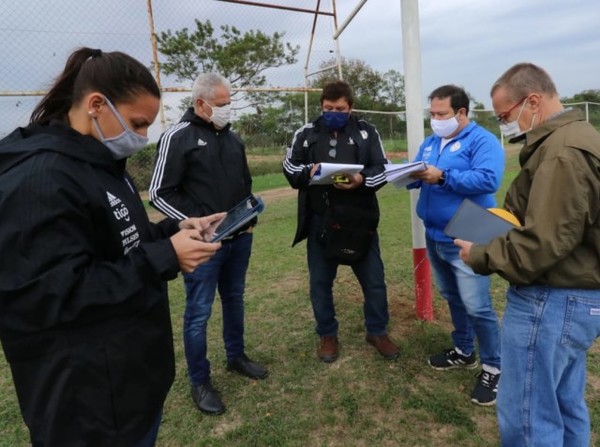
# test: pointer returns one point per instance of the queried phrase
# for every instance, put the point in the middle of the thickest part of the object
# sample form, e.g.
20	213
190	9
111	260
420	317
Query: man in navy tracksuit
201	167
337	136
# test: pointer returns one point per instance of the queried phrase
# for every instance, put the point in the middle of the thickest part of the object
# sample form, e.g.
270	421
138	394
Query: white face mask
221	115
126	143
512	129
444	128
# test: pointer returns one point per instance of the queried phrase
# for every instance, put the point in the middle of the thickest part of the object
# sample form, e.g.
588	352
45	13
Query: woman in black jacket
84	313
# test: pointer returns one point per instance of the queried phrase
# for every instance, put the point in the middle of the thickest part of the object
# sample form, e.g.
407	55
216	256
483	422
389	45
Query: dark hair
116	75
458	97
337	89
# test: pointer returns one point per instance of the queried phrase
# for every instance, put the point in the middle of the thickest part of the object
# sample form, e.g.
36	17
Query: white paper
399	173
326	172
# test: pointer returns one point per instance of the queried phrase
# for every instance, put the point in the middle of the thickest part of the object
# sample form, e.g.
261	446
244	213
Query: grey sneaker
486	389
450	359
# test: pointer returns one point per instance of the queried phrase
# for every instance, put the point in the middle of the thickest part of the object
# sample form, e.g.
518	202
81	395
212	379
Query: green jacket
556	197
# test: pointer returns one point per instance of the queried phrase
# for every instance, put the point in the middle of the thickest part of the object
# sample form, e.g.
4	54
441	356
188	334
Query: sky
465	42
472	42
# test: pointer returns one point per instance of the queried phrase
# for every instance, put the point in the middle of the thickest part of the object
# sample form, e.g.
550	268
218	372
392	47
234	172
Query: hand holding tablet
237	217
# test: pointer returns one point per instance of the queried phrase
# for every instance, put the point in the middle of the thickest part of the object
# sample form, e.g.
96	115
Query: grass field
360	400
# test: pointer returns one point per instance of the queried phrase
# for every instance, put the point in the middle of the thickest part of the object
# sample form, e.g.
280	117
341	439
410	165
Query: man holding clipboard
463	160
201	167
552	313
338	214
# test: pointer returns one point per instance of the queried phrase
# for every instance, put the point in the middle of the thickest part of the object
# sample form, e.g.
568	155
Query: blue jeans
369	273
545	335
226	270
469	301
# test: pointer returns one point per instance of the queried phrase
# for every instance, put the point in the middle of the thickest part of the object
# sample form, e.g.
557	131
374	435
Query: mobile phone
238	216
340	179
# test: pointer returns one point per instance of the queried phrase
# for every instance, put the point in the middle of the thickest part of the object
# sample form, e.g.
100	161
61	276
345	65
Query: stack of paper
399	174
326	172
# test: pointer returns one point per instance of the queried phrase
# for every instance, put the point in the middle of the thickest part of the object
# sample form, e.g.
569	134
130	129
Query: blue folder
474	223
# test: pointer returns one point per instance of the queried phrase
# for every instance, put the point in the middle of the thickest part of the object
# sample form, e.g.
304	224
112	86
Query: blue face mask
336	120
126	143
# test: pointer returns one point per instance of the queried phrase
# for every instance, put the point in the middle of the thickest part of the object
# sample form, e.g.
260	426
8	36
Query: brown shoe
328	349
384	346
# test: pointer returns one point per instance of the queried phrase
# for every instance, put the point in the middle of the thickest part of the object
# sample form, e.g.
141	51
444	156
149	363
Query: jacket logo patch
305	144
455	147
122	213
350	141
426	153
130	236
201	142
119	209
364	134
112	200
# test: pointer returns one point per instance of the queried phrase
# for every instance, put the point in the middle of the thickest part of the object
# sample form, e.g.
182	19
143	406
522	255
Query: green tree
584	96
589	103
373	91
366	82
242	58
272	126
393	88
275	124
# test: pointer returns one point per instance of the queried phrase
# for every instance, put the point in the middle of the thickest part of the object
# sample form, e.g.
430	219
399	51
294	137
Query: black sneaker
486	389
450	359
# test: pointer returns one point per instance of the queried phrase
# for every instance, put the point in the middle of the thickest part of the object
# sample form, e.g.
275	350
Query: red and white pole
415	133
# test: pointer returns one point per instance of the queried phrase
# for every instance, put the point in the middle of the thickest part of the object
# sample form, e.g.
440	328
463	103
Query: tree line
270	118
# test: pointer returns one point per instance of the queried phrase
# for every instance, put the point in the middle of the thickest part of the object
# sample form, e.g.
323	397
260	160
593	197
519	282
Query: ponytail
116	75
58	101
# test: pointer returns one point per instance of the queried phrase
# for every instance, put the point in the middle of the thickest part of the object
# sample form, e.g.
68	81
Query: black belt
233	236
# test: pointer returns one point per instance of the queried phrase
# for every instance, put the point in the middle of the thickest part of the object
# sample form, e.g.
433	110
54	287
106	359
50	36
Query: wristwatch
442	179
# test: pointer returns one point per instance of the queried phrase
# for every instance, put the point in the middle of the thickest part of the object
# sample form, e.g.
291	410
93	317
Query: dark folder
474	223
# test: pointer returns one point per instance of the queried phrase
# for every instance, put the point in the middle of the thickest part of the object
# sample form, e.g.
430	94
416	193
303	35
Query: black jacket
84	314
311	145
199	170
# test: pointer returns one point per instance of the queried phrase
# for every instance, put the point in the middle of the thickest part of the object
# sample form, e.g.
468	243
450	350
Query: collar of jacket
59	137
535	137
541	132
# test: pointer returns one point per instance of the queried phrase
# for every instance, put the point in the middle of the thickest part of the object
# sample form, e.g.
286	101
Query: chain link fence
39	35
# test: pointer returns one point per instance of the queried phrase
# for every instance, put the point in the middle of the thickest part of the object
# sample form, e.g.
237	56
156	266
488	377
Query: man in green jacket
552	263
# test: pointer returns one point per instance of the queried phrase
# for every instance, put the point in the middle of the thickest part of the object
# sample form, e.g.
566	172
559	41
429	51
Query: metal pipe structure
336	33
270	5
415	133
306	74
163	121
348	19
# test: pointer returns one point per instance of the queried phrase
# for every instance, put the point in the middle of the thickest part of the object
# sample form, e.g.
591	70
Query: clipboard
476	224
237	217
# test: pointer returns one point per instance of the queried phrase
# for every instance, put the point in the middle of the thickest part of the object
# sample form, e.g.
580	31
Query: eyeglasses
333	150
502	117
